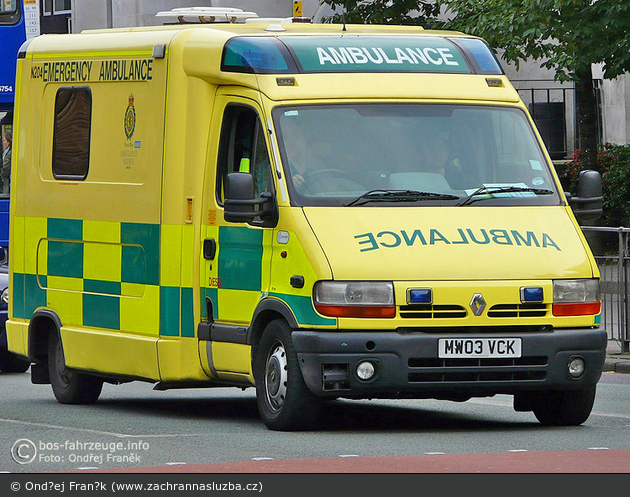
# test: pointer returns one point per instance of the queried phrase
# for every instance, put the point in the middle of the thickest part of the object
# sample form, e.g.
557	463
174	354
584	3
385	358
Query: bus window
5	165
9	13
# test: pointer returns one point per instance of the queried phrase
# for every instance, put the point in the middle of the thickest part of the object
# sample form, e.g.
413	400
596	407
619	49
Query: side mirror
588	204
240	204
239	194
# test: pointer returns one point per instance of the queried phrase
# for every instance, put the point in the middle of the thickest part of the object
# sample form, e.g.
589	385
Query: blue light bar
257	55
532	294
420	296
481	53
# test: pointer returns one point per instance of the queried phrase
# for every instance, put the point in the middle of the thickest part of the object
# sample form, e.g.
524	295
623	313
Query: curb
617	364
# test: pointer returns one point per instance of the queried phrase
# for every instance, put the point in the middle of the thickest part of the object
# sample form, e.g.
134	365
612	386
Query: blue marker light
420	296
256	55
532	294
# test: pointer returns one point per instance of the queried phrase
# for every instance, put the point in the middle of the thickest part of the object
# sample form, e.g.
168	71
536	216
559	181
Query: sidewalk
615	360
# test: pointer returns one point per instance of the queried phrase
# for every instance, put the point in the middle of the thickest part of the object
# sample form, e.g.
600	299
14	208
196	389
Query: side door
237	256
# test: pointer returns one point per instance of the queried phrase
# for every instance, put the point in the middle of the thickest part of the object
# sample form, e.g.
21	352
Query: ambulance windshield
453	154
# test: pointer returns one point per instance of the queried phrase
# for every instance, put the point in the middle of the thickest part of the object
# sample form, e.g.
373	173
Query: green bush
613	162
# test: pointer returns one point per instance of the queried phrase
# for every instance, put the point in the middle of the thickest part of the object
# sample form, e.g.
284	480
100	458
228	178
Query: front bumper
407	364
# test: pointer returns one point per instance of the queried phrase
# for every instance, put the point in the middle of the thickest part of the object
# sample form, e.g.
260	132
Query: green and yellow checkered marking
242	267
139	278
100	274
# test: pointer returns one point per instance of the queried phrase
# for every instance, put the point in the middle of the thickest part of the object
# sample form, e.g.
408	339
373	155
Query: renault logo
477	304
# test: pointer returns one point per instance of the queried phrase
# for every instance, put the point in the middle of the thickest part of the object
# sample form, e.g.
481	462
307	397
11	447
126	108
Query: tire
12	363
284	401
569	408
69	387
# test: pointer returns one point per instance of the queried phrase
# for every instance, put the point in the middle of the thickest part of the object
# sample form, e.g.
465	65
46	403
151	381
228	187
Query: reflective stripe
244	165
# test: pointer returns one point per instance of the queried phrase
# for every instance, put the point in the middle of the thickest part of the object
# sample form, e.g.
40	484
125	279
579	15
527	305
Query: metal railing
612	254
552	107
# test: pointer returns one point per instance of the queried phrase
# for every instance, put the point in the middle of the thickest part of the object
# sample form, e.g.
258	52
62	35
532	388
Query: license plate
479	347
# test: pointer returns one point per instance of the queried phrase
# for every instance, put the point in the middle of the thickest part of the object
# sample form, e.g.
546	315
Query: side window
243	149
7	153
9	13
71	134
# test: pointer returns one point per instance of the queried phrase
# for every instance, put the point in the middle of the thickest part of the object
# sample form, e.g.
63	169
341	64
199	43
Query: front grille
509	376
505	369
454	311
518	311
496	328
428	311
477	362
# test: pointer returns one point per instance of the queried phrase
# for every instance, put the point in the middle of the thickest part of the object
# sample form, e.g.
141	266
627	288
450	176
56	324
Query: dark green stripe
187	313
65	259
65	229
140	265
101	311
17	295
169	311
99	286
34	295
240	258
303	309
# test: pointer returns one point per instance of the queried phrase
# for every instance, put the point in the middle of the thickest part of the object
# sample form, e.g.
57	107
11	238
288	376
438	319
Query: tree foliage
399	12
613	162
567	35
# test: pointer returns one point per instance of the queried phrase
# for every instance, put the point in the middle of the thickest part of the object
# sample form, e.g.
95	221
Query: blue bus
12	35
19	20
13	24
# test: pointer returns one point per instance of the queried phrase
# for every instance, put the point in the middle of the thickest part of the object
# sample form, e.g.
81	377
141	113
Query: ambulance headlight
576	297
576	290
5	295
361	299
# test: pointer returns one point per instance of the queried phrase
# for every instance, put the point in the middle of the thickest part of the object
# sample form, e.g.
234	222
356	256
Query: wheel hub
276	377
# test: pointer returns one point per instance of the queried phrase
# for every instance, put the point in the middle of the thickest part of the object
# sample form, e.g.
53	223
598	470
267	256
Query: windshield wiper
398	196
489	190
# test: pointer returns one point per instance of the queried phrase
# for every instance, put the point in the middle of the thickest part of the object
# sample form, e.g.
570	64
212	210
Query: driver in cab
305	156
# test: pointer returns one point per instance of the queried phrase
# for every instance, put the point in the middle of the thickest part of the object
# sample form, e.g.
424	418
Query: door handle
209	249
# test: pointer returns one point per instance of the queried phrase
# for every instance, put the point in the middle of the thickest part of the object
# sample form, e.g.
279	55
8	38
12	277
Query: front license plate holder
472	348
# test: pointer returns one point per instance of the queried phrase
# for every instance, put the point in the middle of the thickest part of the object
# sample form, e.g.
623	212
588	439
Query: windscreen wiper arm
398	196
489	190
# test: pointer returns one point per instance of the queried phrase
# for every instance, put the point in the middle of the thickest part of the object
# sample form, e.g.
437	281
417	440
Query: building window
71	135
63	6
54	7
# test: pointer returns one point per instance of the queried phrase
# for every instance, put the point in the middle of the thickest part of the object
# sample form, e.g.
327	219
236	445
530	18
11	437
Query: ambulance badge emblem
130	118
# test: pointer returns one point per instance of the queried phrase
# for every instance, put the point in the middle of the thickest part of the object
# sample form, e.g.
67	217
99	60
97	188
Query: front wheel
568	408
284	401
70	387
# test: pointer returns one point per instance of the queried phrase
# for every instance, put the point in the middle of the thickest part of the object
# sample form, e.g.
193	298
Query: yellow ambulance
319	211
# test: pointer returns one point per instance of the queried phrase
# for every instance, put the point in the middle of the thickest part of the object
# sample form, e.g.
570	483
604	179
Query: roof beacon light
203	15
